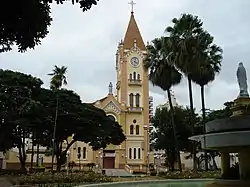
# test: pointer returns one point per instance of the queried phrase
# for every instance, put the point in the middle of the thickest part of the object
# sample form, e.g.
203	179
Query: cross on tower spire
132	3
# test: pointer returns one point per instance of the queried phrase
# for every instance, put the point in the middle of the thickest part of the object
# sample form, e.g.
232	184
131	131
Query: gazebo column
225	162
244	164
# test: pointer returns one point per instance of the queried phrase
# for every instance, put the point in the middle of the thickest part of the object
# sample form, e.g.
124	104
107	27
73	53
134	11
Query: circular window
111	117
134	121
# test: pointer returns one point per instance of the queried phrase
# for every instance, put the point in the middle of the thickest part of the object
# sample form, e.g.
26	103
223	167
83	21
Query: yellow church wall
74	151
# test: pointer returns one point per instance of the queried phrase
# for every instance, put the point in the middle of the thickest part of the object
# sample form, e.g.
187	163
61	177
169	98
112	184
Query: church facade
129	106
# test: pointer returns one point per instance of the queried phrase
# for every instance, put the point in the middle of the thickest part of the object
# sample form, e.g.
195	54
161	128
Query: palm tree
185	38
58	79
163	75
210	65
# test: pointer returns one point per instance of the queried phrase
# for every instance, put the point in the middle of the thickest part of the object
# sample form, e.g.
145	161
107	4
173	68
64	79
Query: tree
25	23
28	109
17	89
187	44
58	79
210	65
164	75
164	136
77	122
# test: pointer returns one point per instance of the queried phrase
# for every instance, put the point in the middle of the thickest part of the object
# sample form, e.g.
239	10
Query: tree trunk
37	155
54	133
192	120
174	129
203	108
32	153
58	163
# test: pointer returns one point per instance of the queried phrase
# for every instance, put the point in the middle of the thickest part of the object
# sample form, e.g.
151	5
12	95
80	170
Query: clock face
134	61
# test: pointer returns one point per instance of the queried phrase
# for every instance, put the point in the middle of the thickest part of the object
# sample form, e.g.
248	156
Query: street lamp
67	161
148	172
157	161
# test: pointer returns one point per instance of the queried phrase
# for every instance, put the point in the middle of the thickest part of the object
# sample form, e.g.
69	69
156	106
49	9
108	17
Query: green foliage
59	178
164	136
221	113
189	174
25	23
28	109
58	77
161	72
12	172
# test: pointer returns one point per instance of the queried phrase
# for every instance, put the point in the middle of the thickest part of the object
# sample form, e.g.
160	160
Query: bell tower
133	92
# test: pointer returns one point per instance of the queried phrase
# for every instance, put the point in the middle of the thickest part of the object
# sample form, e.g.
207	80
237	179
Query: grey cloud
86	43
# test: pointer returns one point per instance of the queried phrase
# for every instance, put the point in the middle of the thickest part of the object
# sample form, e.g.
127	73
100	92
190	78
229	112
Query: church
129	106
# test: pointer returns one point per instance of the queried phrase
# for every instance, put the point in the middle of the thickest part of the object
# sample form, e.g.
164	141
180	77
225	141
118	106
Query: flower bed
59	178
190	174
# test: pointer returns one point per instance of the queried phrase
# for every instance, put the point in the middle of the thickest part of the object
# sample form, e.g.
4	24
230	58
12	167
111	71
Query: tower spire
132	3
133	35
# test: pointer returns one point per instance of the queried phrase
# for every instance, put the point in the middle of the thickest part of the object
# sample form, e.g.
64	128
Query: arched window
134	153
138	77
134	75
131	99
139	153
84	153
137	100
137	130
131	129
79	150
130	76
130	153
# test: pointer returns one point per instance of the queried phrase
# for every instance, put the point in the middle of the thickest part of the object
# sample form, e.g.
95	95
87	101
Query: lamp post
157	161
148	172
67	161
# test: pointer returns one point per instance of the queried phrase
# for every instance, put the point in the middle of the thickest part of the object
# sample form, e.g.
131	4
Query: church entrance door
109	160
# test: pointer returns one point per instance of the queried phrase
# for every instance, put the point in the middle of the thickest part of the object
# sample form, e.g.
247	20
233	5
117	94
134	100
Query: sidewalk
4	182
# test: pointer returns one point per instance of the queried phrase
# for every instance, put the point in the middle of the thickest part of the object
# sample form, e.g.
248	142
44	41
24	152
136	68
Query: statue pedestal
240	105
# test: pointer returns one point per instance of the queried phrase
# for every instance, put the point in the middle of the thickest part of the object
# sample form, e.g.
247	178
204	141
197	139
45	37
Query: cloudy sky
86	43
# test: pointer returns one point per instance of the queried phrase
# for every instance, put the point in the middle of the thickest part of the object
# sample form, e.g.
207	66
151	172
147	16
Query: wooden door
109	162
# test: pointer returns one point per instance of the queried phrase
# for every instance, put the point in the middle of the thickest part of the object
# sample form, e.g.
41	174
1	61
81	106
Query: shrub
48	178
190	174
37	169
153	173
12	172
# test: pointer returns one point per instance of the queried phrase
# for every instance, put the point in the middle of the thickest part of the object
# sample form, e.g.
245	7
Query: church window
79	150
131	99
130	153
130	76
131	129
137	129
137	100
134	75
134	153
138	77
139	153
112	118
84	152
